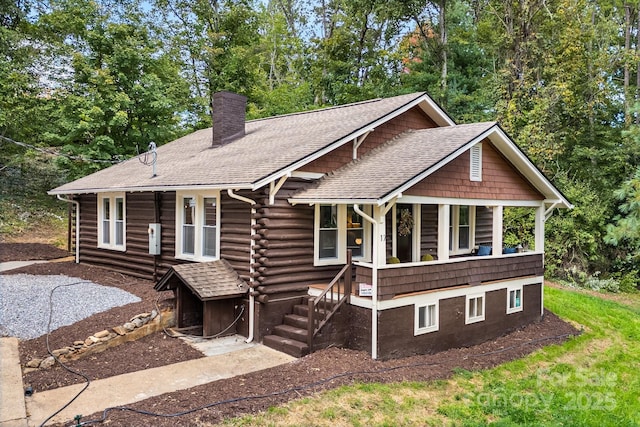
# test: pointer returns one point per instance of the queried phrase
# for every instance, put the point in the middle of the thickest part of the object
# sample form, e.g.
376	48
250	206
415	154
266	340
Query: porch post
443	232
496	244
379	250
540	228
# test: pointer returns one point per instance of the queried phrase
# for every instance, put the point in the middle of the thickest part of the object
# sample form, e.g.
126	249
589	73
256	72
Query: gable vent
476	163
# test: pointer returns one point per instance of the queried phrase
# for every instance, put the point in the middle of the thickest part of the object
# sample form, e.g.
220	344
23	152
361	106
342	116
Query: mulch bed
322	370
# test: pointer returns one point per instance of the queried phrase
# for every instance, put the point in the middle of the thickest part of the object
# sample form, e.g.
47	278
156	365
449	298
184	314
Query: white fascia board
424	101
424	200
511	151
294	201
441	163
446	293
159	189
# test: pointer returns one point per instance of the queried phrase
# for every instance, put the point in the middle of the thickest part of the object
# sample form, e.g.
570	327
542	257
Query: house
376	225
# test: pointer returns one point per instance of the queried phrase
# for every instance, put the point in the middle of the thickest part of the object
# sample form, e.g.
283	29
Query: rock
154	314
120	330
47	363
59	352
138	322
91	340
101	334
139	316
129	326
78	343
34	363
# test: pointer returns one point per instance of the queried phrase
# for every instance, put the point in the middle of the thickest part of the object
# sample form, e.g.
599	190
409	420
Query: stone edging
138	327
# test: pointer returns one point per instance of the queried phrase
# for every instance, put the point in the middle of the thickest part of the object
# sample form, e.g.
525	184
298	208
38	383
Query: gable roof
416	154
207	280
271	148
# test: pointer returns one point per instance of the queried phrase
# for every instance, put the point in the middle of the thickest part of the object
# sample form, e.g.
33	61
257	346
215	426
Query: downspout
251	253
75	202
374	282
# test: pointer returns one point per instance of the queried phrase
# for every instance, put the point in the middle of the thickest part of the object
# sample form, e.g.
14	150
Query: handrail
324	306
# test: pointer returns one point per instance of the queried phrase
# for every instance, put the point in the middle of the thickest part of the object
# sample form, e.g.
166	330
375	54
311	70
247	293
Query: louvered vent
476	163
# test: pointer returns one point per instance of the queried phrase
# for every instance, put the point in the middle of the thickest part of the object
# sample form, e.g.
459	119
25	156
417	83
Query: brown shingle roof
388	167
269	146
207	280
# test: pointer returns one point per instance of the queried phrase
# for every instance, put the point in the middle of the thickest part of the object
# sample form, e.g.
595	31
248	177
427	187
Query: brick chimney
228	117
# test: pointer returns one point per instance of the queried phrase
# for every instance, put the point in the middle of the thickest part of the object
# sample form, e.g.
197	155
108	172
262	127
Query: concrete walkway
12	407
128	388
12	265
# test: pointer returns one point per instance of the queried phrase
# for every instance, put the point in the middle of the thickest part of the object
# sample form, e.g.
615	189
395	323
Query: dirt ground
251	393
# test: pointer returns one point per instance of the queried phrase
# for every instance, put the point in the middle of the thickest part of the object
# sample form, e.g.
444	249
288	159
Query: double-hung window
461	229
426	318
514	299
337	229
474	308
197	230
112	221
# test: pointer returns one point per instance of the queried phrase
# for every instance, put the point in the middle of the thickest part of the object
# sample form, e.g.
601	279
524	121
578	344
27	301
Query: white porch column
378	259
443	232
498	215
540	228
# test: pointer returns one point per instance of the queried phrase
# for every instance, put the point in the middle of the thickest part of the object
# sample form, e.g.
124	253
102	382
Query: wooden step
291	332
303	310
286	345
296	320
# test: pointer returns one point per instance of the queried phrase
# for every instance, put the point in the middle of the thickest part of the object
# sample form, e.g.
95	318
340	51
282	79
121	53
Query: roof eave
159	188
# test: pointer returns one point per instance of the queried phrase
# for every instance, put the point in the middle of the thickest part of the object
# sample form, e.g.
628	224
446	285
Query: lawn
591	380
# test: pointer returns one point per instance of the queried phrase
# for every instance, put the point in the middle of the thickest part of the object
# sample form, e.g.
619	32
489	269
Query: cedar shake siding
396	326
415	118
393	282
500	180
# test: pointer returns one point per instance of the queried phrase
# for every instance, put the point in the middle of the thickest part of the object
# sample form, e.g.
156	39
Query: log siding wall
500	180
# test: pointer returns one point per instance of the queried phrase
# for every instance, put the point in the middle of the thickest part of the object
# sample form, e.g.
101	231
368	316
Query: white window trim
342	237
520	307
475	162
468	320
112	221
198	223
417	330
455	226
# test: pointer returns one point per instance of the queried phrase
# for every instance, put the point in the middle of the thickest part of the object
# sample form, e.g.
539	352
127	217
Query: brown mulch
255	392
30	251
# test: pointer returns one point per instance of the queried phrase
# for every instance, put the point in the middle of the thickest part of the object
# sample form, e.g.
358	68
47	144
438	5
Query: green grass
590	380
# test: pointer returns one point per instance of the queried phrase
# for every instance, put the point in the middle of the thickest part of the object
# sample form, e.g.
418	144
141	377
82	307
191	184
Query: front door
404	232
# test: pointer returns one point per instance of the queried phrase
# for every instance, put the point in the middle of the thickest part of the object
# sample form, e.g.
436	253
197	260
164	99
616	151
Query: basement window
111	221
426	318
474	308
514	299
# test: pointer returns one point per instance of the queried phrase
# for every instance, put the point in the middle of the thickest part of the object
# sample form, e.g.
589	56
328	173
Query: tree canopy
84	84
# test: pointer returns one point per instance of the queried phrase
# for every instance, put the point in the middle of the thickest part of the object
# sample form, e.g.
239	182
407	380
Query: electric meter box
154	239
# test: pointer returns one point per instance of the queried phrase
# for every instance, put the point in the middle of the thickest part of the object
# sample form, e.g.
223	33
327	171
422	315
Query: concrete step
291	332
296	320
286	345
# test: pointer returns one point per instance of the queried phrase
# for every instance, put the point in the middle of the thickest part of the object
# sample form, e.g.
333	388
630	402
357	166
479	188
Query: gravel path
26	302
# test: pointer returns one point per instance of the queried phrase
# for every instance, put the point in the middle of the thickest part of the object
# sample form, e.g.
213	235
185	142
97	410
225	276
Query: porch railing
324	306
